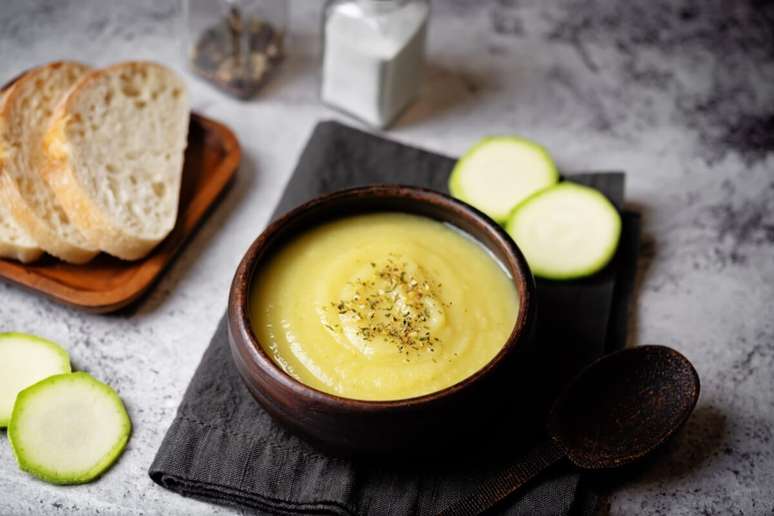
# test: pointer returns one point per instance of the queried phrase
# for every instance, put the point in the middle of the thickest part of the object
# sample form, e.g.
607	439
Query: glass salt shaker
373	56
236	44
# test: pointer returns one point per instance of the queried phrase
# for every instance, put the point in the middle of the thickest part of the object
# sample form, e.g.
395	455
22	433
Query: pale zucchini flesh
25	360
499	172
567	231
68	429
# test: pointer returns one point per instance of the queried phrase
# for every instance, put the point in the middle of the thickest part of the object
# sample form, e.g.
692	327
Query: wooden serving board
106	283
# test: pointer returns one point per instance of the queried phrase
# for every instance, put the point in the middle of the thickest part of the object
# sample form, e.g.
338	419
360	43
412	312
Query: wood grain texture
347	426
623	406
107	283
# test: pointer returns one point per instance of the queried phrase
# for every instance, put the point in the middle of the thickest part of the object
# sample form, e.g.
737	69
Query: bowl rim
239	295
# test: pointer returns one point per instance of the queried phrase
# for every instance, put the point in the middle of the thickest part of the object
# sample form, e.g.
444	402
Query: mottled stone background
678	94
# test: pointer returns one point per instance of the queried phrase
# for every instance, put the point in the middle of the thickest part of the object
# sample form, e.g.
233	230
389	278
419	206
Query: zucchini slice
25	360
68	428
567	231
499	172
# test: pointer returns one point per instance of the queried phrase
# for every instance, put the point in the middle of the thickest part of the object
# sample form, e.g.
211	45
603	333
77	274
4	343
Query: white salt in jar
373	56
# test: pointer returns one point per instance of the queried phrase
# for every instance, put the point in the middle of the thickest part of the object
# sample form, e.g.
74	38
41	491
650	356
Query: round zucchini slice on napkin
25	360
68	428
499	172
567	231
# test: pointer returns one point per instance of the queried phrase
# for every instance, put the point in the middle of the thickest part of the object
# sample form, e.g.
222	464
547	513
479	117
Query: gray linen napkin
223	448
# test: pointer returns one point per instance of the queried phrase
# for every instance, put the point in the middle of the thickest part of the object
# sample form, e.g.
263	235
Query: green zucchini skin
538	153
588	213
59	363
21	420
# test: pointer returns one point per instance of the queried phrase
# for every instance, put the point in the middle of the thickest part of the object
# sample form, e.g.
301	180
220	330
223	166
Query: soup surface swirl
382	306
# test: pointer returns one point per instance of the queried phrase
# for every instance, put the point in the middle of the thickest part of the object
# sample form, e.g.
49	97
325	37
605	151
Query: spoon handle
508	482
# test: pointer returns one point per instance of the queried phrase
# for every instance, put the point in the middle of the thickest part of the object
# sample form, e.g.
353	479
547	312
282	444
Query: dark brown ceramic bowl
351	426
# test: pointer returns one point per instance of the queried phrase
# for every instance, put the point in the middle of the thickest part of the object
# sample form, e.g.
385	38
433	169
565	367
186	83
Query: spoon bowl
616	411
623	406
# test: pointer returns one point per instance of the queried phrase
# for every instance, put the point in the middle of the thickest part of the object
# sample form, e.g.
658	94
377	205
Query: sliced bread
14	241
115	148
24	115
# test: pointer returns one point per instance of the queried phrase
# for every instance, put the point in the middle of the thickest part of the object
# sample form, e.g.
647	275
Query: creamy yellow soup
382	306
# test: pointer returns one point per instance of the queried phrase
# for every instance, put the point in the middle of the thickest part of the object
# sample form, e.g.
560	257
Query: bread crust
20	253
25	251
39	230
18	207
61	175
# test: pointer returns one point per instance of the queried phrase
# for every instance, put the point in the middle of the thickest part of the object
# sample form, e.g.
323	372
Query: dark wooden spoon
616	411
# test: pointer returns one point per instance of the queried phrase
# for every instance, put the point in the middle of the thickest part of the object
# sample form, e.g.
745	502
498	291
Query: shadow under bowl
350	426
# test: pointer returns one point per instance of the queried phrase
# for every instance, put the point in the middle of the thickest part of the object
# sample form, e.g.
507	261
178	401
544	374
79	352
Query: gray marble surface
678	94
